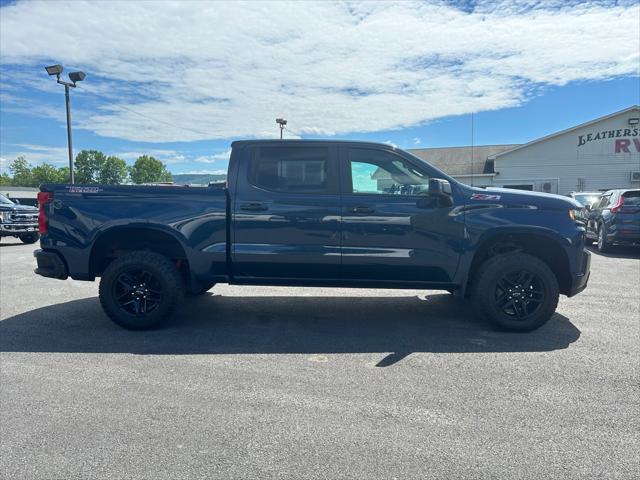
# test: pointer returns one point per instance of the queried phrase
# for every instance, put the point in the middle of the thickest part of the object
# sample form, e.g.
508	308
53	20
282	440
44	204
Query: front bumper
50	265
579	280
18	228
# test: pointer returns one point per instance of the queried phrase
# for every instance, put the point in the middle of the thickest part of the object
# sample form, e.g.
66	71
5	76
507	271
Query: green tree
149	170
5	179
47	173
113	171
88	166
21	171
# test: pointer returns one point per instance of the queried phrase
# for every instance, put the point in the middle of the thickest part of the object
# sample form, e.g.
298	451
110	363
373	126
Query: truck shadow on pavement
215	324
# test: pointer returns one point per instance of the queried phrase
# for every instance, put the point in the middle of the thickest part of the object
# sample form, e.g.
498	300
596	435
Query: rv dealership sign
622	145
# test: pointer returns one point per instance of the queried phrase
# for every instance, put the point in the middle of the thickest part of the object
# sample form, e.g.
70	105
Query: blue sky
193	76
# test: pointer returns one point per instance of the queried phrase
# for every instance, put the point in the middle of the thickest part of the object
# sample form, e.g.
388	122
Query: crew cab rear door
286	213
392	230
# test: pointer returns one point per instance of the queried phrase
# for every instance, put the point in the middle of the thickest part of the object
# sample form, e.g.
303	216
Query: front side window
378	172
291	170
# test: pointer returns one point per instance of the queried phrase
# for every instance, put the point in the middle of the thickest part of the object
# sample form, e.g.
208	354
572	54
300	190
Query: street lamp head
54	69
76	76
281	121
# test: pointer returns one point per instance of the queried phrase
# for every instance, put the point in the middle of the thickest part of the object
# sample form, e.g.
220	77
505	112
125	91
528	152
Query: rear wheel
603	244
30	237
516	292
140	290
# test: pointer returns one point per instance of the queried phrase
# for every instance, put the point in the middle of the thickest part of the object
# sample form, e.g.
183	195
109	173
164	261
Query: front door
286	214
393	231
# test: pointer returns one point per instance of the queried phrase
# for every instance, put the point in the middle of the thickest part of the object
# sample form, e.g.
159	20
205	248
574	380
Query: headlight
6	216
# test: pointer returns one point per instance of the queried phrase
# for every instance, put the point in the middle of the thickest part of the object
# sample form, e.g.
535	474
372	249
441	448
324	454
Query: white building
597	155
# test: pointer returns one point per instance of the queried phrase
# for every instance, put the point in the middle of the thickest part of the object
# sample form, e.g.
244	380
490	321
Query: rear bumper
50	265
579	280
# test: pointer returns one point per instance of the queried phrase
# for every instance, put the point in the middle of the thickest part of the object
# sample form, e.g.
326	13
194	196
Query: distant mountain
197	179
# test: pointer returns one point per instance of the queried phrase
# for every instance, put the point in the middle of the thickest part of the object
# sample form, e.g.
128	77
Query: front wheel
140	290
30	237
516	292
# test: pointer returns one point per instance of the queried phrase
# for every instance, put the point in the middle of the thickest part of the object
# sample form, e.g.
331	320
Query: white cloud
221	70
167	156
35	154
417	141
217	157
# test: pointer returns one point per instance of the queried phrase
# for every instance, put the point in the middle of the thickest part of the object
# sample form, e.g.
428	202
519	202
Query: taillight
43	223
618	206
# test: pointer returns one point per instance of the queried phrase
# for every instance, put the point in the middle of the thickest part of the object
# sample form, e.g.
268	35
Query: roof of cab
309	141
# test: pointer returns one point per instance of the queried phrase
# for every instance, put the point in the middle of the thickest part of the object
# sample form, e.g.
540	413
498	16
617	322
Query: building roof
459	161
568	130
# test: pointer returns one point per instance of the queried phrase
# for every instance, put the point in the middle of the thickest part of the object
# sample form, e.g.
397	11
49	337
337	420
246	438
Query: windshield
587	199
4	200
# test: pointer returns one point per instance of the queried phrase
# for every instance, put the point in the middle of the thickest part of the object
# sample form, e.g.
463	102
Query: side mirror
439	188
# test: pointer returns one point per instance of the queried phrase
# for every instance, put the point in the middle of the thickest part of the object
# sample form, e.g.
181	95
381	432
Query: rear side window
291	169
631	198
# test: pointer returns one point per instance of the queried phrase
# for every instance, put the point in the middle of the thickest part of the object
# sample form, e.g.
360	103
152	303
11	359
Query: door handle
362	210
253	207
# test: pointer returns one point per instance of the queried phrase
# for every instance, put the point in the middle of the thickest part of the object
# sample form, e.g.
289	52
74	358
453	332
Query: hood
17	208
509	196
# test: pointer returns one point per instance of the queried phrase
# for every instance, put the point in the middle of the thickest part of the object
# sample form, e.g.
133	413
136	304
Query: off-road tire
166	276
29	237
484	290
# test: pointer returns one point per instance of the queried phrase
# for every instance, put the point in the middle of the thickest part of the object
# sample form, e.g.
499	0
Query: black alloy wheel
519	294
137	292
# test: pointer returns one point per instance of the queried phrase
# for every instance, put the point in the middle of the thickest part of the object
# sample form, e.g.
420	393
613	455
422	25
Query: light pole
74	77
282	122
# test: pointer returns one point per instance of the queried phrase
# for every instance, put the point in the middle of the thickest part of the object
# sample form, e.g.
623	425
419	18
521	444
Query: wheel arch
540	244
117	241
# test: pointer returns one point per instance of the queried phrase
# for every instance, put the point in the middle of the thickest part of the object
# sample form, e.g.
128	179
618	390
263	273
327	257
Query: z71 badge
484	196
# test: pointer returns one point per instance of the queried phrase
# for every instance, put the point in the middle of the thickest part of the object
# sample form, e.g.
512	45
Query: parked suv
614	219
19	221
584	199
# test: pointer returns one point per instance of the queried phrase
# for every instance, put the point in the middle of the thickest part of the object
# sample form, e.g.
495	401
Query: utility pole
69	143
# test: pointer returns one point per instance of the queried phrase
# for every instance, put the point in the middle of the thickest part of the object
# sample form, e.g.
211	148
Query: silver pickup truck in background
19	221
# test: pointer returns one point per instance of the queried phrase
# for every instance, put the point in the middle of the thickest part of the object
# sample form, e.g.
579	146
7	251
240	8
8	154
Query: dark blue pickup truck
316	213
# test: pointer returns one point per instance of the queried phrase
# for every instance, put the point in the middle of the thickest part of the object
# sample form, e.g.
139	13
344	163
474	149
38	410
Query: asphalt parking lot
264	382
